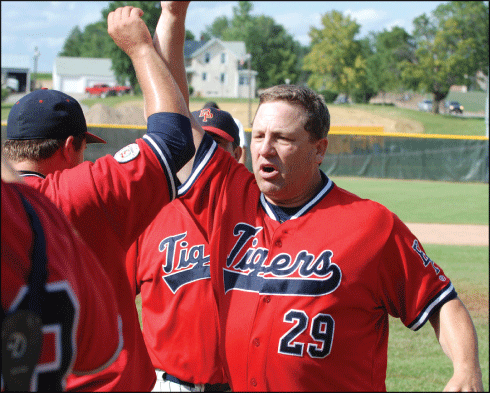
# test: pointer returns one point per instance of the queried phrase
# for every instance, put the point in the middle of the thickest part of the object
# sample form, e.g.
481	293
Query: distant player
305	273
169	267
109	202
243	137
46	267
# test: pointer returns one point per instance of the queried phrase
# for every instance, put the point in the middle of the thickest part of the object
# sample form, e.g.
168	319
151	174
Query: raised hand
175	7
128	30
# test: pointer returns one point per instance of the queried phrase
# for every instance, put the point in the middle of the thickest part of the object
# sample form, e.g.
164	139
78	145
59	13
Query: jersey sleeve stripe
163	156
113	357
448	293
203	155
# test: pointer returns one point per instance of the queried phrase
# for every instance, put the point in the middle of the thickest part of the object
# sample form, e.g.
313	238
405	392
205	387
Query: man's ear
237	153
68	148
321	146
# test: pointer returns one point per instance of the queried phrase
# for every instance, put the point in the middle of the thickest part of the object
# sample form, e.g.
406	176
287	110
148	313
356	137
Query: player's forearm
159	88
169	42
457	336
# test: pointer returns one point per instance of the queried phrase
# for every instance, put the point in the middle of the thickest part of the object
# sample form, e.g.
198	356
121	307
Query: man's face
284	158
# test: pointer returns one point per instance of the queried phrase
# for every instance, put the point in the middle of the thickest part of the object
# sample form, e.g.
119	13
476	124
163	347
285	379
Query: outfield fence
364	151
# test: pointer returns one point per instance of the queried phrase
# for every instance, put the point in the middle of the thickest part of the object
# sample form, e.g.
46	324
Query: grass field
425	201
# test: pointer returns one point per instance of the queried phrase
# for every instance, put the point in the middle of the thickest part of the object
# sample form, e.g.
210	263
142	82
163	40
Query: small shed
16	72
74	74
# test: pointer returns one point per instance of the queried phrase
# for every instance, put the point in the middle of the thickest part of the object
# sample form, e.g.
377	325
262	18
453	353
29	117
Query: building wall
216	85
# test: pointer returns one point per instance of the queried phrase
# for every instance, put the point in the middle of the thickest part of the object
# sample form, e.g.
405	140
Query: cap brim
91	138
219	132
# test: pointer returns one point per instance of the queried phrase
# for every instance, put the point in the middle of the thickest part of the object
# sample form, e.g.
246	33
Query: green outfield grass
425	201
415	359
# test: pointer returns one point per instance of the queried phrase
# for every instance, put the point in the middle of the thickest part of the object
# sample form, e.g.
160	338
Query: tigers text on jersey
86	337
110	203
304	304
169	266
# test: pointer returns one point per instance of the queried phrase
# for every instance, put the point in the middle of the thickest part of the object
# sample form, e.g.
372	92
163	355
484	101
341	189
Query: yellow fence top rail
371	130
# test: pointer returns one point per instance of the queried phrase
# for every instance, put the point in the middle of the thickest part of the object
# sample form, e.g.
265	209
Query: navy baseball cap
48	114
218	122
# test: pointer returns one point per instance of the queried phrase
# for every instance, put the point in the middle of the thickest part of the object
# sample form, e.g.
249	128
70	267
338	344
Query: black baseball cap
48	114
218	122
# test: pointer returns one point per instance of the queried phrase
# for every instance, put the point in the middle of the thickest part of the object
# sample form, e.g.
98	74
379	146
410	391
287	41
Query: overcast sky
46	24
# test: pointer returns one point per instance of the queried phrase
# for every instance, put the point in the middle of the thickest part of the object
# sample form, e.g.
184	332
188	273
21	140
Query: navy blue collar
282	214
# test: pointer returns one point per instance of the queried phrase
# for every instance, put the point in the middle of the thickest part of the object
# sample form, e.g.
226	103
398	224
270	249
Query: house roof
191	46
236	47
17	61
83	66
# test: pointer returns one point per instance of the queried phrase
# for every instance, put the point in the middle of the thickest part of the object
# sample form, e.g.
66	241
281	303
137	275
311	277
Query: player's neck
44	167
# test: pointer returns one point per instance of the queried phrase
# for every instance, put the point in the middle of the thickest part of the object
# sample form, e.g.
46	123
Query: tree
335	60
448	50
388	49
275	54
73	43
95	40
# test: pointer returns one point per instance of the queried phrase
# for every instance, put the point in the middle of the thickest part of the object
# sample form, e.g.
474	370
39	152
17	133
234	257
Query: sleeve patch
128	153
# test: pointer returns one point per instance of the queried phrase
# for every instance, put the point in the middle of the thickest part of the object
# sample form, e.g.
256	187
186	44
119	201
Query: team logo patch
205	114
128	153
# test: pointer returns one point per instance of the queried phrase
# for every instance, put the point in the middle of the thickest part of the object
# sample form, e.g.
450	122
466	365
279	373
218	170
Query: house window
243	80
222	77
204	76
223	58
207	57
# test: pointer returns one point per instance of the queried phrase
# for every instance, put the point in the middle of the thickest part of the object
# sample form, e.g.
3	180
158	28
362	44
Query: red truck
102	90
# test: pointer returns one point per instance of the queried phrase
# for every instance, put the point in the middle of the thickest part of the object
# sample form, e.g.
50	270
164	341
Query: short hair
210	104
317	122
17	150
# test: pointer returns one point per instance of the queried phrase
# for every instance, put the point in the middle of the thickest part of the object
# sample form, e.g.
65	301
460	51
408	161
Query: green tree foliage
73	43
388	49
336	59
452	43
275	54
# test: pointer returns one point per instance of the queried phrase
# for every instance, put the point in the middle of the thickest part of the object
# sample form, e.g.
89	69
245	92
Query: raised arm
169	41
456	334
131	34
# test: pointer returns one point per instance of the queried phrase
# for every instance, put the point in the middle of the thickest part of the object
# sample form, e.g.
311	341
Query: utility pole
249	56
36	56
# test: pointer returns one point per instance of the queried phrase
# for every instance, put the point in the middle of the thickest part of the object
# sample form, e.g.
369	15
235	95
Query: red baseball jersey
304	304
87	336
169	266
110	203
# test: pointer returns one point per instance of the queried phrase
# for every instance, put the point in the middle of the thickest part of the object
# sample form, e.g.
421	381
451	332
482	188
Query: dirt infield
469	235
131	112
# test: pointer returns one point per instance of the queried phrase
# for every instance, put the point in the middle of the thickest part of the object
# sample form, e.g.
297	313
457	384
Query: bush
5	94
362	96
191	90
329	96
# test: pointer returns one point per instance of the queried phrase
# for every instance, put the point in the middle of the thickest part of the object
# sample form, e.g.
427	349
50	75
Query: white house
74	74
16	72
219	69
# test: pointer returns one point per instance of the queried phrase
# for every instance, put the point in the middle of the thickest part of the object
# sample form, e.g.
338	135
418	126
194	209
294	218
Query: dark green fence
376	155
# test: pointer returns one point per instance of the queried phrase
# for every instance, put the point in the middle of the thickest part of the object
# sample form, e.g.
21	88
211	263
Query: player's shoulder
364	207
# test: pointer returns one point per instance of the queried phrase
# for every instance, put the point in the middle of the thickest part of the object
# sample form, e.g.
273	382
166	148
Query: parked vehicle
425	105
341	99
453	107
103	90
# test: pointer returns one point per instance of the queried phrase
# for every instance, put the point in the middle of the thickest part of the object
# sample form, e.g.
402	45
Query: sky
46	24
